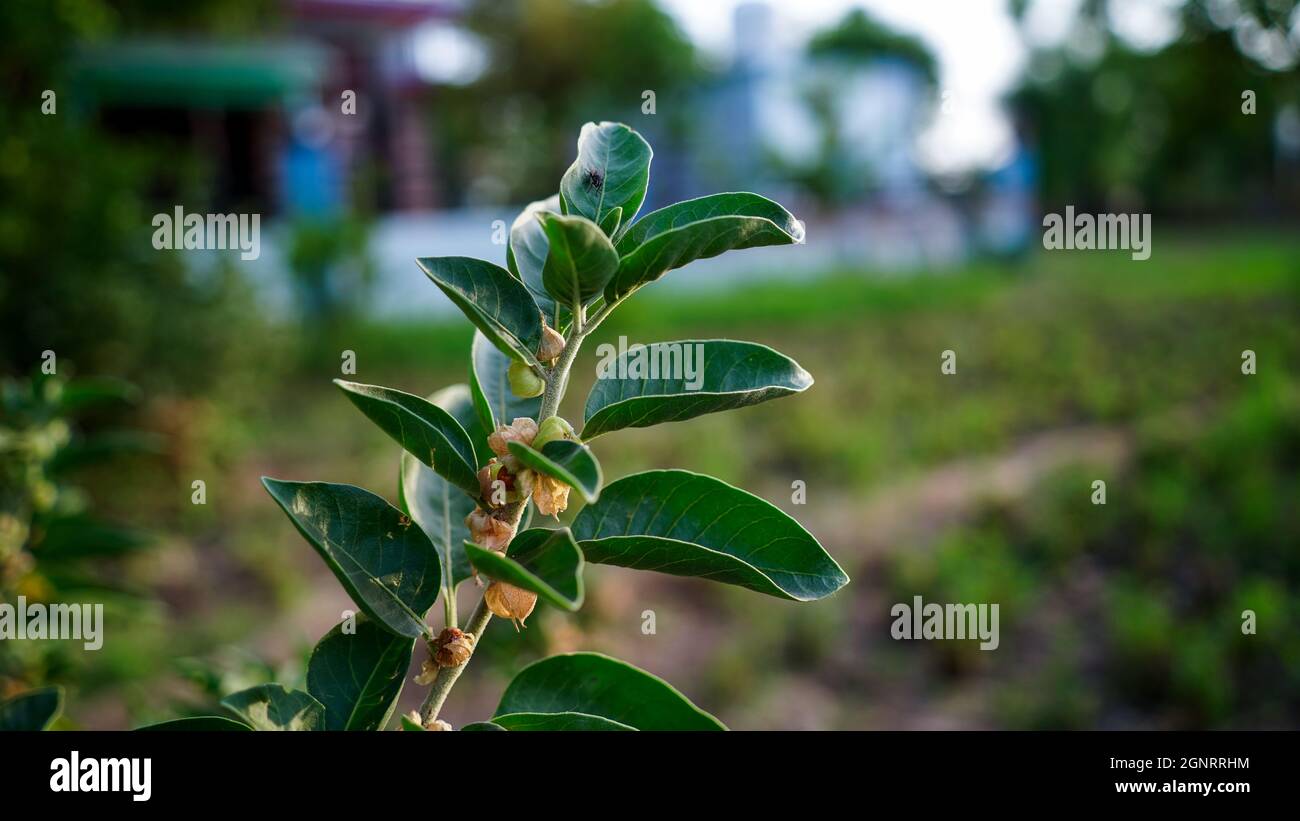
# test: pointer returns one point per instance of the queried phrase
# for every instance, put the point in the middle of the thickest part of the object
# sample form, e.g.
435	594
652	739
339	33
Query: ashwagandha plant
483	460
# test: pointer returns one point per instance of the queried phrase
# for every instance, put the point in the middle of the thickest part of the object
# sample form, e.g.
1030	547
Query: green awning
198	75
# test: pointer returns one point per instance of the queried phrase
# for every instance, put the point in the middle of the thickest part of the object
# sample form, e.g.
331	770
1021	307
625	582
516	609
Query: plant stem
557	379
441	687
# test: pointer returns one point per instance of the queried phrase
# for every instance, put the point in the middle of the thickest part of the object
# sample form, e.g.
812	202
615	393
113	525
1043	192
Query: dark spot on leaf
594	179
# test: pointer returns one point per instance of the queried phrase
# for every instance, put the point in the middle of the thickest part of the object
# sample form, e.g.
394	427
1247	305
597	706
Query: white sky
977	45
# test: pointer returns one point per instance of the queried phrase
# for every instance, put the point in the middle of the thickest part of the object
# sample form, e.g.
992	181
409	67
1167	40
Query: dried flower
552	344
428	672
522	430
487	531
550	495
453	647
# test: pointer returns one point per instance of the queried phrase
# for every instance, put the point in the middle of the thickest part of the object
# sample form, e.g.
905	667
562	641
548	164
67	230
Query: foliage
464	452
1161	129
331	269
1139	606
32	710
77	275
857	37
841	170
49	543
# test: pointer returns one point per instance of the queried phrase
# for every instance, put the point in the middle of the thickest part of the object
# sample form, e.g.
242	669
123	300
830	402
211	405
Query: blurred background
921	142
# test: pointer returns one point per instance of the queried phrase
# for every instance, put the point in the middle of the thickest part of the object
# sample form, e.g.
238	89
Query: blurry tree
858	37
1116	126
331	266
552	63
78	273
842	167
51	548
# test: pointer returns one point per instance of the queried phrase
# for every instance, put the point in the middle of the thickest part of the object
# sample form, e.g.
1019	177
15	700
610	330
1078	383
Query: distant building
269	115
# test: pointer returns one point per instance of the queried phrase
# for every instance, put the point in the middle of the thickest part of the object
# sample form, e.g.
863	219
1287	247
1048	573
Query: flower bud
552	345
453	647
552	428
522	429
523	382
487	531
510	602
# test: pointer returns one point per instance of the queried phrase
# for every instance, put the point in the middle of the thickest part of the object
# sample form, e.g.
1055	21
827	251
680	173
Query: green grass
1061	340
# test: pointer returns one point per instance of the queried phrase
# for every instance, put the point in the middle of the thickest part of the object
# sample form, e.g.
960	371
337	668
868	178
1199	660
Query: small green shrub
488	468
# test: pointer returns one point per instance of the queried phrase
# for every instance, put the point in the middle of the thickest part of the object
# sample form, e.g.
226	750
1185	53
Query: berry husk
510	602
552	345
523	382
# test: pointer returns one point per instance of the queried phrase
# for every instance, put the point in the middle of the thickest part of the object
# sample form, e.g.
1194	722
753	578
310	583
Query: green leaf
686	524
581	259
77	537
272	707
612	170
80	394
105	446
196	724
612	221
411	726
571	462
490	387
547	562
458	401
423	429
359	676
389	567
497	303
435	505
598	685
482	726
730	375
551	722
31	711
698	229
527	249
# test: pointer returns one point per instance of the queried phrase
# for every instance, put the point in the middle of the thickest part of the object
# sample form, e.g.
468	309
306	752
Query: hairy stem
441	687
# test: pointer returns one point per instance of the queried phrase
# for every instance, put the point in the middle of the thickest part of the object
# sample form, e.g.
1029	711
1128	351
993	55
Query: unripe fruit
523	382
510	602
552	429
